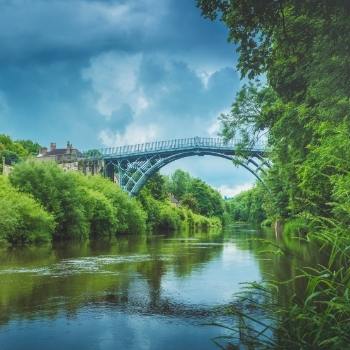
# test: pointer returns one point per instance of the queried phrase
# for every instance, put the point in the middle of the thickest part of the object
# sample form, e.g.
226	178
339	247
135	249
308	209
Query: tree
302	48
180	182
16	150
32	148
157	186
22	219
58	192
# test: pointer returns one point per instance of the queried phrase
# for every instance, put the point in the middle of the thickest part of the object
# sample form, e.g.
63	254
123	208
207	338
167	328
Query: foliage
313	317
296	227
158	187
56	190
82	206
129	215
169	218
248	206
22	219
179	183
196	194
302	49
14	151
198	208
32	148
91	207
99	212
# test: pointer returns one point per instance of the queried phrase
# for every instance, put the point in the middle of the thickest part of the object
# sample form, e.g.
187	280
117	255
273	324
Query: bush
91	206
83	206
100	214
129	215
58	192
169	218
22	219
296	227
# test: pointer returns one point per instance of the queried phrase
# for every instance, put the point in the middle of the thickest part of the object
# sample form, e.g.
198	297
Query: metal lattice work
131	166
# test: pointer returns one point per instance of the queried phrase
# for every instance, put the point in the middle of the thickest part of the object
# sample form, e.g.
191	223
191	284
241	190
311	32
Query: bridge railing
169	145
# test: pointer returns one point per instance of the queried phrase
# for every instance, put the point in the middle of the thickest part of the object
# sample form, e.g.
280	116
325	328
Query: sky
104	73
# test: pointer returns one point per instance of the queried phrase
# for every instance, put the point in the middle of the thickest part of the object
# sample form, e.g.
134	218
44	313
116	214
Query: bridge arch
152	170
132	166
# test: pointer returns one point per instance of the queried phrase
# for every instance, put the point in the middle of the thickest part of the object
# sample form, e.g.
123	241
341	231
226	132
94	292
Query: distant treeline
248	206
13	151
40	202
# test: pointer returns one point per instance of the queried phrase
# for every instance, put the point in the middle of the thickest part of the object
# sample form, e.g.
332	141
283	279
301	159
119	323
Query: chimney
69	147
52	146
43	151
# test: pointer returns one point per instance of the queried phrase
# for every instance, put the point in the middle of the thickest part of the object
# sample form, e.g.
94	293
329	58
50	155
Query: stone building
67	158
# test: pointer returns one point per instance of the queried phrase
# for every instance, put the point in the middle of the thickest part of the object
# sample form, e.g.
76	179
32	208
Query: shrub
22	219
296	227
169	218
83	206
58	192
100	214
129	215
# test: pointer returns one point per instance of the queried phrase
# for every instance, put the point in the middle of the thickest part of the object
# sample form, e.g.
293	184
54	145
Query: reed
317	318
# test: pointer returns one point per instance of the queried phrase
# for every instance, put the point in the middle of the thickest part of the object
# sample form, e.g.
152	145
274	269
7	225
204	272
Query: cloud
142	90
227	191
114	80
60	29
116	72
133	132
56	30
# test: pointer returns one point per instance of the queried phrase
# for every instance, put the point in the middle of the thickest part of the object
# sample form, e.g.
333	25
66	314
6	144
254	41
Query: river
156	292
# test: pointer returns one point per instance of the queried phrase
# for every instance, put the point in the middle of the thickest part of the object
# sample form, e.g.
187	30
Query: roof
62	152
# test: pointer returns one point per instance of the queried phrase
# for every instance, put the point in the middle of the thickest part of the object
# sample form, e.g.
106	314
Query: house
67	157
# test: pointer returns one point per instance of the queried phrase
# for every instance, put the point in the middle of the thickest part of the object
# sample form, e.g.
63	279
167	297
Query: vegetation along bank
295	57
40	202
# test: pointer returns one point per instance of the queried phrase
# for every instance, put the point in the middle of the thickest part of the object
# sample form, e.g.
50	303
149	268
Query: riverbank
308	309
39	202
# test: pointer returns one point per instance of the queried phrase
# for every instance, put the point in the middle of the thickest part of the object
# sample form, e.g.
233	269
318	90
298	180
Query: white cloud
227	191
133	134
114	80
157	91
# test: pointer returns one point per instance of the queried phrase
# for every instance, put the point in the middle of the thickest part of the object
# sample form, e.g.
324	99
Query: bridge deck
200	143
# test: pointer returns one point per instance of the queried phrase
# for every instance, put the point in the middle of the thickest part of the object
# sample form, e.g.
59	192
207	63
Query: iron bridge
131	166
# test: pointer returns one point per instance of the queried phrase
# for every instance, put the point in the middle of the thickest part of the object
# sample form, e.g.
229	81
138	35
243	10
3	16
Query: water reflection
136	293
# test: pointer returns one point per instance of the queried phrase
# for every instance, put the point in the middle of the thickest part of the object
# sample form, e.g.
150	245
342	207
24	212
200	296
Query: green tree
14	151
302	49
128	213
58	192
179	184
157	186
22	219
32	148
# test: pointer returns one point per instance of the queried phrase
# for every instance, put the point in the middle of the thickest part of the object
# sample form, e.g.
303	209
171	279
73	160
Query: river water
159	292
